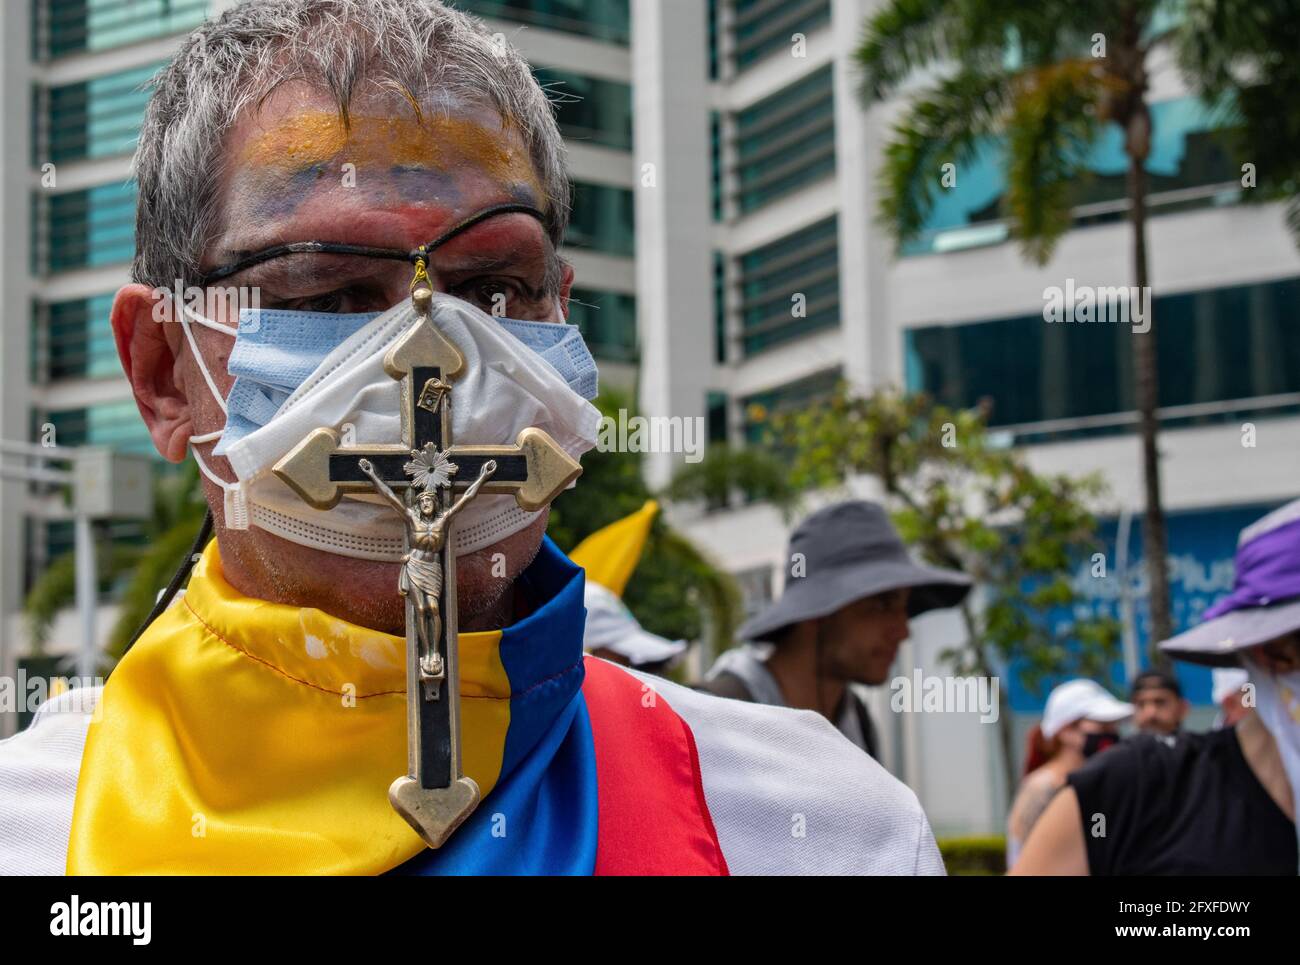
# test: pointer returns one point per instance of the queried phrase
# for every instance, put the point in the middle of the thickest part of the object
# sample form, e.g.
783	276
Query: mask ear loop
200	543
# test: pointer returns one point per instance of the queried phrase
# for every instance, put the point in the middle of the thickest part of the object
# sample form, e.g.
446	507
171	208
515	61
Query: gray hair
418	48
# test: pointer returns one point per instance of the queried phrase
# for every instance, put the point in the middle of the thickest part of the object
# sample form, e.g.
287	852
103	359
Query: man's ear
147	345
566	285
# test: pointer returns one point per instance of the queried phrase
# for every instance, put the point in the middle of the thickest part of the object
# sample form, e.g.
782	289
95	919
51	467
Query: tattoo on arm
1033	806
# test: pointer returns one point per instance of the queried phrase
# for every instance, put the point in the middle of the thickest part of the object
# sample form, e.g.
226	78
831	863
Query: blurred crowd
1108	785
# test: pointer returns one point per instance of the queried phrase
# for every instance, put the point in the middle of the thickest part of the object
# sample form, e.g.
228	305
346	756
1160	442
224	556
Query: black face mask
1098	742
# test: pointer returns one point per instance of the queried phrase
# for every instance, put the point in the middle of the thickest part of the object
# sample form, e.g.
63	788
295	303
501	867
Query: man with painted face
302	149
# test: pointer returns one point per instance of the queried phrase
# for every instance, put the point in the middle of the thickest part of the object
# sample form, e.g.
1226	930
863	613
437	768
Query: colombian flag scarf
245	737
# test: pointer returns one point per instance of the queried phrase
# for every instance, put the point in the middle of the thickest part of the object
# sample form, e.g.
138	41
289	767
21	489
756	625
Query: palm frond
947	124
1051	125
902	37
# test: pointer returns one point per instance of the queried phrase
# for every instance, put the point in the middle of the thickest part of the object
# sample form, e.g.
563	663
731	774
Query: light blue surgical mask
276	351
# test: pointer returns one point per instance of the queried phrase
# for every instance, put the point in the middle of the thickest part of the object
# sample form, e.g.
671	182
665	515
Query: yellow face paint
440	142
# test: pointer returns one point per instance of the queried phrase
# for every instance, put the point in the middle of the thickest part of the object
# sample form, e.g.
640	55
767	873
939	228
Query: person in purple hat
1216	803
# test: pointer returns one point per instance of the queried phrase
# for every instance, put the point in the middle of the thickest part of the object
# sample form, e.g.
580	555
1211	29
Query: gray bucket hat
1265	600
849	551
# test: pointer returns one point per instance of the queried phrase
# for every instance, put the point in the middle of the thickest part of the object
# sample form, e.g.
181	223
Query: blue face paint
276	351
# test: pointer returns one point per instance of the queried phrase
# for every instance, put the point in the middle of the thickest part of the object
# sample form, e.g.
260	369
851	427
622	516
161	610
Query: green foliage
50	593
750	473
1242	54
984	855
676	592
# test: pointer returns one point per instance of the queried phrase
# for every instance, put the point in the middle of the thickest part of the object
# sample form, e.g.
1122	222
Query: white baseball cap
1081	700
611	626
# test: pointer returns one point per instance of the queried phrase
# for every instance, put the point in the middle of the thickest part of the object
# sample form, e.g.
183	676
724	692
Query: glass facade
62	27
607	321
90	119
73	339
1185	153
600	19
114	424
588	108
785	141
1218	345
83	229
773	278
763	27
602	219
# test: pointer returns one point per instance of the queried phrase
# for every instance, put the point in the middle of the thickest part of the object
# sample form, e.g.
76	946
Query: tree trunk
1154	536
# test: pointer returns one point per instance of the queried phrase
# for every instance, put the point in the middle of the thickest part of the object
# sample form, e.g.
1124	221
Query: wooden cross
435	796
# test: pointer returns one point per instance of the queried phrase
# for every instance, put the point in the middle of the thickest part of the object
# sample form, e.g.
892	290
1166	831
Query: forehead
295	162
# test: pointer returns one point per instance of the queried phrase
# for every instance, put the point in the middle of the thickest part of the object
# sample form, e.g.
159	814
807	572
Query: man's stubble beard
264	566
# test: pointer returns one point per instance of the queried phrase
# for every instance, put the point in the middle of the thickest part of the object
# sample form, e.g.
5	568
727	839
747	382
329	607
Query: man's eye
497	296
339	301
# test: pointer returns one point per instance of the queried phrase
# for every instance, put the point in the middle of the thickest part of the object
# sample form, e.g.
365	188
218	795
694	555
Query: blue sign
1201	549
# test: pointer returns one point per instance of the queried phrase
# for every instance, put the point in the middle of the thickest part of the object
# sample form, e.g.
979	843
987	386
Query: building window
718	409
602	219
62	27
1188	168
762	406
607	321
715	163
719	308
116	425
83	229
73	339
599	19
588	108
1221	345
90	119
762	27
790	287
785	141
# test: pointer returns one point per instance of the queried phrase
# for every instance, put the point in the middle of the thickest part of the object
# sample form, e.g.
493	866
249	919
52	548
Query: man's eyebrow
487	262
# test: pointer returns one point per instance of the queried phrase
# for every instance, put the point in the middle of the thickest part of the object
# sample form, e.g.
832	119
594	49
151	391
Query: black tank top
1186	805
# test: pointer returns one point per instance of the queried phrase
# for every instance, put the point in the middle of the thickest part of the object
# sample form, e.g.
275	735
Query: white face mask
1277	701
505	386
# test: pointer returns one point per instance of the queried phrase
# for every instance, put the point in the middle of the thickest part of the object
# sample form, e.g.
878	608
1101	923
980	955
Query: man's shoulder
38	784
789	794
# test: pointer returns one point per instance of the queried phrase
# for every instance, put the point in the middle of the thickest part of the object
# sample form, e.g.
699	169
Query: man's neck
803	685
1265	761
496	616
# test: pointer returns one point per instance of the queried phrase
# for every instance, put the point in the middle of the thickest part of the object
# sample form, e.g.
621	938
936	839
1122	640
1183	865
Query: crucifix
435	795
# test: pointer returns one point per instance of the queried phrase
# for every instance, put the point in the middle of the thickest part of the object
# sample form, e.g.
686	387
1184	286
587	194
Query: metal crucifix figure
435	796
426	535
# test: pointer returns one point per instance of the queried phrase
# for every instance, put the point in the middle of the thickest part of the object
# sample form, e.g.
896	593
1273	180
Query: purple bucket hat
1265	601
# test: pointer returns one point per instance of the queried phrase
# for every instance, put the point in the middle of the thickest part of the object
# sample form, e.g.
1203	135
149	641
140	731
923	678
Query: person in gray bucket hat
1216	803
850	590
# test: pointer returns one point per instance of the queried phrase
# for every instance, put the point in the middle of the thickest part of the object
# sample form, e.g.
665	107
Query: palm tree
1048	77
